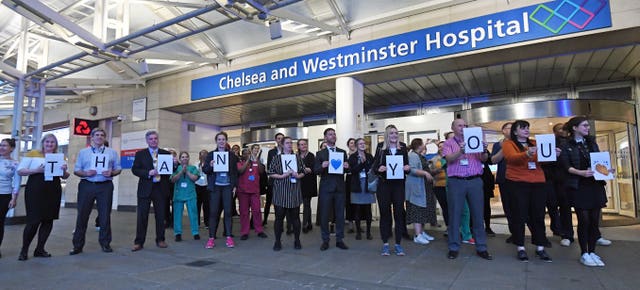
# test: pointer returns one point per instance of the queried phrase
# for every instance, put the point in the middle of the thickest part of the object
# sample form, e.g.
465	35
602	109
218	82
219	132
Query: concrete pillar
349	110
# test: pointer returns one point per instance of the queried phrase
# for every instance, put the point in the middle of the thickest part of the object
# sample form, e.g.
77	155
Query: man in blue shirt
96	165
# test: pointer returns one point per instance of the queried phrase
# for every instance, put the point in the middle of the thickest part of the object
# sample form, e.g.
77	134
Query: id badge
464	162
363	174
293	179
202	177
183	184
223	174
532	165
252	178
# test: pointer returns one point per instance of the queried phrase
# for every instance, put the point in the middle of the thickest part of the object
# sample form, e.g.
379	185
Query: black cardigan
356	167
570	157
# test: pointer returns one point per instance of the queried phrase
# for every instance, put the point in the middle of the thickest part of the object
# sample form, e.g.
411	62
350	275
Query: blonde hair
387	131
45	137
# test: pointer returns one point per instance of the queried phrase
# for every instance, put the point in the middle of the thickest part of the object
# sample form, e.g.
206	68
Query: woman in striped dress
287	196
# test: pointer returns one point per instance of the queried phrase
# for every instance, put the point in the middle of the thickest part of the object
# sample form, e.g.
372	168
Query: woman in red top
525	179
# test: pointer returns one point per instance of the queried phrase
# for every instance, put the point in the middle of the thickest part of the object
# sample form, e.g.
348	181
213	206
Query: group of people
349	183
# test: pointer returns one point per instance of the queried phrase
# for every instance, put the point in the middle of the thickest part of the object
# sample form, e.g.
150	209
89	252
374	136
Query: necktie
333	149
156	178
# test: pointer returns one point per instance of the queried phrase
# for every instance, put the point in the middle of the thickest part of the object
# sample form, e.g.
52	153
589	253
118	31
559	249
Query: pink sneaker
470	241
230	243
210	244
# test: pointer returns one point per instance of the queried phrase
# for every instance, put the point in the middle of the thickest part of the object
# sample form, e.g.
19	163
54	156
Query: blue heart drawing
336	163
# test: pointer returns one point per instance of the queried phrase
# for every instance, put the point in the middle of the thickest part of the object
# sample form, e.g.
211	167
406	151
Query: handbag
372	176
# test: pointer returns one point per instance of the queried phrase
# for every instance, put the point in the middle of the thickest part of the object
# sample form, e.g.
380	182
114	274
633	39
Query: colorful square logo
566	12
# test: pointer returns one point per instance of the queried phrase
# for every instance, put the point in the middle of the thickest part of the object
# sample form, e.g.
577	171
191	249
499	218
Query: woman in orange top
525	179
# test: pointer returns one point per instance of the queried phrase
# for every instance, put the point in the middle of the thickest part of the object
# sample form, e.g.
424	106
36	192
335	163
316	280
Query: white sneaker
419	239
565	242
603	242
597	259
587	260
427	236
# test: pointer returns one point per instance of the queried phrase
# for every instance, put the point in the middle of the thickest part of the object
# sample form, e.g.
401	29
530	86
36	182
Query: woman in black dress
42	197
309	185
586	195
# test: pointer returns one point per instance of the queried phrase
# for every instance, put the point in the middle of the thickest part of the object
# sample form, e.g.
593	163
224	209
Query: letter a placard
394	167
165	164
546	144
220	161
289	163
473	140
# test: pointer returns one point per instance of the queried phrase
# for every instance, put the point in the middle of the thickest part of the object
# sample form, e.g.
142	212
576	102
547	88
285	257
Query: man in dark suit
152	187
332	191
270	155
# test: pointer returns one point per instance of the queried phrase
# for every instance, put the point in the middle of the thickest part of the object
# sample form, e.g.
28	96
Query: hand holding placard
546	144
395	168
336	163
473	140
165	164
53	165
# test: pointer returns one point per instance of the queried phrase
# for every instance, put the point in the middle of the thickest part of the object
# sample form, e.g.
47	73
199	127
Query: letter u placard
546	144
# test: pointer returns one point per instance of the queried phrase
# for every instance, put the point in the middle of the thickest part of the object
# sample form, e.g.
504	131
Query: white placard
165	164
601	164
53	165
100	162
546	144
289	163
139	112
473	140
394	167
336	162
221	161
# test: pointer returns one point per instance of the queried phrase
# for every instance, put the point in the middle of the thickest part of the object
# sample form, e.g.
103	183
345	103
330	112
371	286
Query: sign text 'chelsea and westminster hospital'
518	25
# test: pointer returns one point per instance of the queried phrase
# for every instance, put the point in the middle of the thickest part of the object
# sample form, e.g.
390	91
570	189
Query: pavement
252	264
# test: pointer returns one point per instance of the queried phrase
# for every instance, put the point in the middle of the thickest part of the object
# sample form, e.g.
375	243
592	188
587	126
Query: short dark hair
350	139
415	143
98	129
327	131
276	135
223	133
10	141
574	122
303	139
506	124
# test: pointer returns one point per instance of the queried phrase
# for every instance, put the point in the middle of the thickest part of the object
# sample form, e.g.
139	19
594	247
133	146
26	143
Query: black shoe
305	230
522	256
310	227
332	229
509	240
196	237
107	249
341	245
23	257
484	254
244	237
490	232
324	246
262	235
547	244
277	246
297	245
41	254
178	238
358	236
452	255
544	256
369	236
75	251
351	231
289	232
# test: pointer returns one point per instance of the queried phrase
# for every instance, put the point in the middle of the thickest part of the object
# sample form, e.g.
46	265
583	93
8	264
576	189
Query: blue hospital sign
513	26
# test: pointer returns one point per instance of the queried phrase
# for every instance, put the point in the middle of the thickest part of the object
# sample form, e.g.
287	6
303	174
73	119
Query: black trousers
144	206
566	219
293	218
331	204
391	194
4	208
221	198
102	195
267	204
43	228
202	196
441	196
552	208
306	213
588	229
527	207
